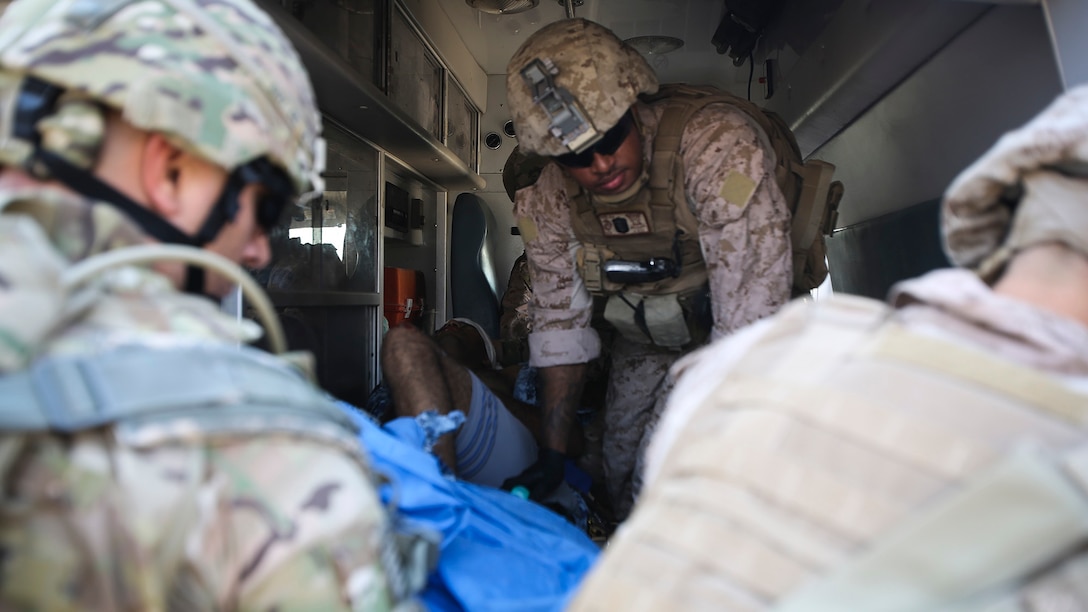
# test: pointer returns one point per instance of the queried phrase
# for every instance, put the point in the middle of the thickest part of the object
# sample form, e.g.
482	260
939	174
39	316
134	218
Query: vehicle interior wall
833	59
505	246
871	256
389	91
905	150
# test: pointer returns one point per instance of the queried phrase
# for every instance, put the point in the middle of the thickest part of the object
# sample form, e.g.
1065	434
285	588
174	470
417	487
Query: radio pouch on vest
648	319
590	259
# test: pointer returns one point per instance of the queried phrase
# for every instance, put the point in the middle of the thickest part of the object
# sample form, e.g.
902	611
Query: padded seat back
472	275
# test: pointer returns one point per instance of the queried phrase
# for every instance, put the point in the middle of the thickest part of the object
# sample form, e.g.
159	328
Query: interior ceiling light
502	7
655	45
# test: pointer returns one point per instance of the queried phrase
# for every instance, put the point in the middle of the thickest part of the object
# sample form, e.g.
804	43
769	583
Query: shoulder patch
528	229
737	189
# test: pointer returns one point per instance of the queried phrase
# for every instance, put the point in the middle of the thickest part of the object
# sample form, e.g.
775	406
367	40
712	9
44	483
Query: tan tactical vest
670	313
850	464
659	222
670	228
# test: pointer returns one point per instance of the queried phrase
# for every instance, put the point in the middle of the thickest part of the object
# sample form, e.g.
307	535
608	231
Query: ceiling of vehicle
492	39
835	58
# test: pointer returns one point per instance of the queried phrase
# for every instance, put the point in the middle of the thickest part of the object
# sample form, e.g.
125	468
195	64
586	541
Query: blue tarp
498	552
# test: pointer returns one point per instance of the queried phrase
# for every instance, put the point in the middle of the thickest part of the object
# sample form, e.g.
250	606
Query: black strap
37	99
92	187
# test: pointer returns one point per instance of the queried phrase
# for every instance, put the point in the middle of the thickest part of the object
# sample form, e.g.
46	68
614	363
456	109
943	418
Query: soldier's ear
160	170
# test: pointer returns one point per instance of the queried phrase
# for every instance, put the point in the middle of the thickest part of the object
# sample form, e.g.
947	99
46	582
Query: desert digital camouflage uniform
230	494
520	171
745	245
806	462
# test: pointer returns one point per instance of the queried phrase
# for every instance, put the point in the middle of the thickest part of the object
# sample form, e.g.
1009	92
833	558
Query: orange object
403	296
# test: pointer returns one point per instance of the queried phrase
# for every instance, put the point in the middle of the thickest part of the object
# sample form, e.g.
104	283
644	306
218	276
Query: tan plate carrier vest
1001	527
673	230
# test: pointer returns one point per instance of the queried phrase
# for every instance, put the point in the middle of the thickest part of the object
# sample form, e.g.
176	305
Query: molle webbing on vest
673	234
753	500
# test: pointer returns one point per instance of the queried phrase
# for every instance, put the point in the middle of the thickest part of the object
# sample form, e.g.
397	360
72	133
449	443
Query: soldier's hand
542	477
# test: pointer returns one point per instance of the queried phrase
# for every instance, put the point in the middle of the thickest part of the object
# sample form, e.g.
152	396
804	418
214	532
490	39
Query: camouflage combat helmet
218	78
569	83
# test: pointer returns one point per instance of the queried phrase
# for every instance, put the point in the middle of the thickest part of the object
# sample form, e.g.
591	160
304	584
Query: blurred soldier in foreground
925	455
148	462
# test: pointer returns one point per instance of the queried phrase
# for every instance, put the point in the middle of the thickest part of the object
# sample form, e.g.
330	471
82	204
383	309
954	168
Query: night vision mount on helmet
569	83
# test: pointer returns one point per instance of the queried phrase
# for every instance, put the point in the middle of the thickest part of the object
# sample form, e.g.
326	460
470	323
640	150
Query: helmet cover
587	62
216	77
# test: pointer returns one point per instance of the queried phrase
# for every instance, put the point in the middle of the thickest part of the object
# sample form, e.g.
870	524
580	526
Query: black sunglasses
607	145
279	193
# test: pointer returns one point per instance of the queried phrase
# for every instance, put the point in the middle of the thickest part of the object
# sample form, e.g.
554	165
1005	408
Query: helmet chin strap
85	183
36	100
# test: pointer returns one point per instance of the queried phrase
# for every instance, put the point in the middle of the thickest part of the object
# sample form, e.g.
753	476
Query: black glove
542	477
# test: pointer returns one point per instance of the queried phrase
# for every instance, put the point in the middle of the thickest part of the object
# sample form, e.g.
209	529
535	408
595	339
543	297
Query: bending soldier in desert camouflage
930	454
147	462
665	208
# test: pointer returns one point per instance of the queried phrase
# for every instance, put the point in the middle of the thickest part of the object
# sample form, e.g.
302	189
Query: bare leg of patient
421	377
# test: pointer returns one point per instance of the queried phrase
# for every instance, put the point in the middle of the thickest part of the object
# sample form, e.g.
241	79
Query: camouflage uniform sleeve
561	308
250	522
514	323
743	217
288	524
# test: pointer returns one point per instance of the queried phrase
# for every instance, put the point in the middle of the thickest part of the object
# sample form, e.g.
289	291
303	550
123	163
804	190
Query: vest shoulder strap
811	195
666	167
855	326
975	367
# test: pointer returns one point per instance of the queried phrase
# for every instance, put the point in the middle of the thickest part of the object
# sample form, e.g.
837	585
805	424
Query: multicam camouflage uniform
745	244
228	494
927	455
181	512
